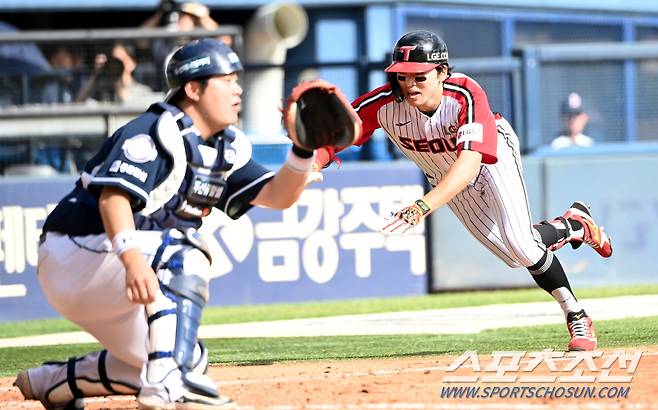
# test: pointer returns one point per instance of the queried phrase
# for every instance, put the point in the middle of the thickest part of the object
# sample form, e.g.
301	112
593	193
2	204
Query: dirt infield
417	383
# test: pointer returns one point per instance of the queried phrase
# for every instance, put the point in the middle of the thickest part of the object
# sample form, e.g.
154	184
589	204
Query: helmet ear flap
395	86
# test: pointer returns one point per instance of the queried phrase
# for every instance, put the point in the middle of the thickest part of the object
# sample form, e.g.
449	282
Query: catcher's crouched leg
62	385
177	362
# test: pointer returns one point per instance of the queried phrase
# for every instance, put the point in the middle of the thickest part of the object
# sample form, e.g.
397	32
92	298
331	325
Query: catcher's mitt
317	114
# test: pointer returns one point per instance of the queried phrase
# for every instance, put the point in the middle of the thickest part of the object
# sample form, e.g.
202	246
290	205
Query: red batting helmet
418	52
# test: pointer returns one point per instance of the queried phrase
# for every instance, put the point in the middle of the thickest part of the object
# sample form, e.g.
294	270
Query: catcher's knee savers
184	278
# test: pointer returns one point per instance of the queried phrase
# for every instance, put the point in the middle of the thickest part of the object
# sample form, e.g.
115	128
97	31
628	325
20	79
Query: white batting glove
315	175
406	218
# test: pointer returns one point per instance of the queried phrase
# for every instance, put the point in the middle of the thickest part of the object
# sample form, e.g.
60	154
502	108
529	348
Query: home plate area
424	383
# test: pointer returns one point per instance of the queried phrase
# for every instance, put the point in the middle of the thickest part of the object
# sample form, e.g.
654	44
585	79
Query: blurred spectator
20	63
177	16
69	77
112	80
67	66
574	120
57	155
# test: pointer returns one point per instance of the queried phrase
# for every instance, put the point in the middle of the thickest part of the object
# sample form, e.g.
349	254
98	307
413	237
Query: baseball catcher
129	232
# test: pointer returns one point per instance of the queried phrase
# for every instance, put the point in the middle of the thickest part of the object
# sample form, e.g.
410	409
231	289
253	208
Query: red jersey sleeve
477	126
367	107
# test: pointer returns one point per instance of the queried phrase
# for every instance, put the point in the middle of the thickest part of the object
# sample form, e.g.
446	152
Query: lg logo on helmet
437	56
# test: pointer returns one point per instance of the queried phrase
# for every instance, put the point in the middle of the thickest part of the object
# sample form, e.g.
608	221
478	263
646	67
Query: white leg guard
57	384
176	362
162	369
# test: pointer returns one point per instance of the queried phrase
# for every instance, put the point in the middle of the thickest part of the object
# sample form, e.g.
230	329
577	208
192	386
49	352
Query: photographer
176	16
184	17
112	80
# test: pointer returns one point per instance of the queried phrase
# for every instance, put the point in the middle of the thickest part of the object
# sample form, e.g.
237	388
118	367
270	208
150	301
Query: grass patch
36	327
259	313
15	359
633	332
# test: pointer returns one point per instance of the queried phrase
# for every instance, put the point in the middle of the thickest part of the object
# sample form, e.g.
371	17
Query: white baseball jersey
494	206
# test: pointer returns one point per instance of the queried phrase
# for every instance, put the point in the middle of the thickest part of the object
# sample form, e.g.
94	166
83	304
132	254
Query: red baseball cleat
581	331
593	235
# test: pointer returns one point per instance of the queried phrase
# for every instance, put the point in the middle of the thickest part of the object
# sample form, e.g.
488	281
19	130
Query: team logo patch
193	65
405	52
140	148
121	167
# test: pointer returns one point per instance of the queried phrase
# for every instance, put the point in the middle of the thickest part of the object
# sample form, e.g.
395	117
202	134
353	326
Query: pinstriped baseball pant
495	208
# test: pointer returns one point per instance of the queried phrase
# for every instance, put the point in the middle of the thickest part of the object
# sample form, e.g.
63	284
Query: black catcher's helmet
418	52
198	59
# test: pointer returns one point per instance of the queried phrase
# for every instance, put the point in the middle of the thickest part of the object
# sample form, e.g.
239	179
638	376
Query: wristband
123	241
424	208
299	164
301	152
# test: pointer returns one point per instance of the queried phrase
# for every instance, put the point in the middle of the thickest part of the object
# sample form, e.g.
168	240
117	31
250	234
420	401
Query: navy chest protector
203	185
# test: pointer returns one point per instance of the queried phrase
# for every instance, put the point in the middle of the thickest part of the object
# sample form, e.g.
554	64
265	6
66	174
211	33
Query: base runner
441	121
